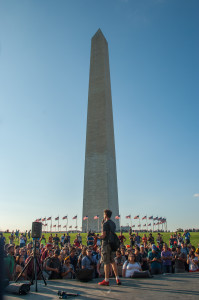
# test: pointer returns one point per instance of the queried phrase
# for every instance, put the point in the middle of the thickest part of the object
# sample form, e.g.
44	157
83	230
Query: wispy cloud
196	195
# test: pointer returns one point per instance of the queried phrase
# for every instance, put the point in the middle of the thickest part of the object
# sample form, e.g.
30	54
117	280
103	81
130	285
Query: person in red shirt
144	239
121	238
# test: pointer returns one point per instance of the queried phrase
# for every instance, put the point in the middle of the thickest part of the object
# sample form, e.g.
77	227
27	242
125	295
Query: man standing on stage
107	254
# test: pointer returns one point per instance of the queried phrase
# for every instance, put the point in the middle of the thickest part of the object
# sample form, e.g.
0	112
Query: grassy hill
166	236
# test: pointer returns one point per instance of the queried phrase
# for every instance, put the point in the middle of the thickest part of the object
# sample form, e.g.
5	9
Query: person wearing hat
154	258
67	271
9	262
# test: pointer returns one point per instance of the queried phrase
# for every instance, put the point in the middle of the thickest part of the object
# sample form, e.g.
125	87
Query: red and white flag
149	224
76	226
49	219
54	225
64	226
75	217
64	218
133	225
144	218
117	217
136	217
151	218
70	226
144	225
96	217
56	219
44	219
128	217
139	225
85	218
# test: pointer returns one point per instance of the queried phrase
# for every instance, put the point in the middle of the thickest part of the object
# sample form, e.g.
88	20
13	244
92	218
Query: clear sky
44	75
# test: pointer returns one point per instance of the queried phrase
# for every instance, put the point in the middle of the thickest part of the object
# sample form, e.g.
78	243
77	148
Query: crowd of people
59	258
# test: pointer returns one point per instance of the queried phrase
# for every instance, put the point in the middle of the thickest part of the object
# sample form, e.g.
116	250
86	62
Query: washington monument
100	177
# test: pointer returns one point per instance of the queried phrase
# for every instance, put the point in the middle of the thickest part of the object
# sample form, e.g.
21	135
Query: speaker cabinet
36	229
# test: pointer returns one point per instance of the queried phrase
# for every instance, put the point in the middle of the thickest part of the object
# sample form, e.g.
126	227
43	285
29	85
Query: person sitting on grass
73	258
87	261
130	266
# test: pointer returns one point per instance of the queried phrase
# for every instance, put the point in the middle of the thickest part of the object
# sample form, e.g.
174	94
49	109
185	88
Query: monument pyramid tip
98	34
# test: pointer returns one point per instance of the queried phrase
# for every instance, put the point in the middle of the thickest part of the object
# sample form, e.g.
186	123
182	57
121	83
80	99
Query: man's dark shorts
107	254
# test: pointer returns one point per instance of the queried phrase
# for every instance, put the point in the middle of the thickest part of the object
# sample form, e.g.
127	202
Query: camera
65	295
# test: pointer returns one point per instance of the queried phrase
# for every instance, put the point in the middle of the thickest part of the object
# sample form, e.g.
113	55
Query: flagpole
67	224
76	224
120	222
58	223
146	223
131	222
51	225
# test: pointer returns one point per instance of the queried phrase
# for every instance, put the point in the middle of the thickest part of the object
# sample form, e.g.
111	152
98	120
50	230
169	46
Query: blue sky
44	74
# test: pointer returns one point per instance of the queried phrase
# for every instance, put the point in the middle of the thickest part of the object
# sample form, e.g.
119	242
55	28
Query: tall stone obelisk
100	178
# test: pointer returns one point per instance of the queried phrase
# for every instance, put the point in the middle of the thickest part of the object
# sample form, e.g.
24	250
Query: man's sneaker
118	282
103	282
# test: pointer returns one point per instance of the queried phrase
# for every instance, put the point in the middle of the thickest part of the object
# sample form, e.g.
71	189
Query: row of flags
95	217
56	219
162	220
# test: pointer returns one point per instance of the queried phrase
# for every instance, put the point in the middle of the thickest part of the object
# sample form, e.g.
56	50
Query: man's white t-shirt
193	267
131	268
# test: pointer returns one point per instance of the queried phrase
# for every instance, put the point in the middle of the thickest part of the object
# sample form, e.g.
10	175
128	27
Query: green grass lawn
166	236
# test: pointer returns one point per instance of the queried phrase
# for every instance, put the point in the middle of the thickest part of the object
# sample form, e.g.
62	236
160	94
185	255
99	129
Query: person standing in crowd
132	239
121	238
11	238
187	236
107	253
63	239
22	241
50	239
137	239
67	240
56	240
151	239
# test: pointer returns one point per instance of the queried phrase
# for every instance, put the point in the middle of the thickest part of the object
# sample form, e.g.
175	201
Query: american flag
160	219
44	219
76	226
85	218
144	225
75	217
38	220
45	224
49	219
65	217
144	218
59	225
64	226
96	217
136	217
128	217
151	218
54	225
117	217
133	225
139	225
149	224
155	219
70	226
56	219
